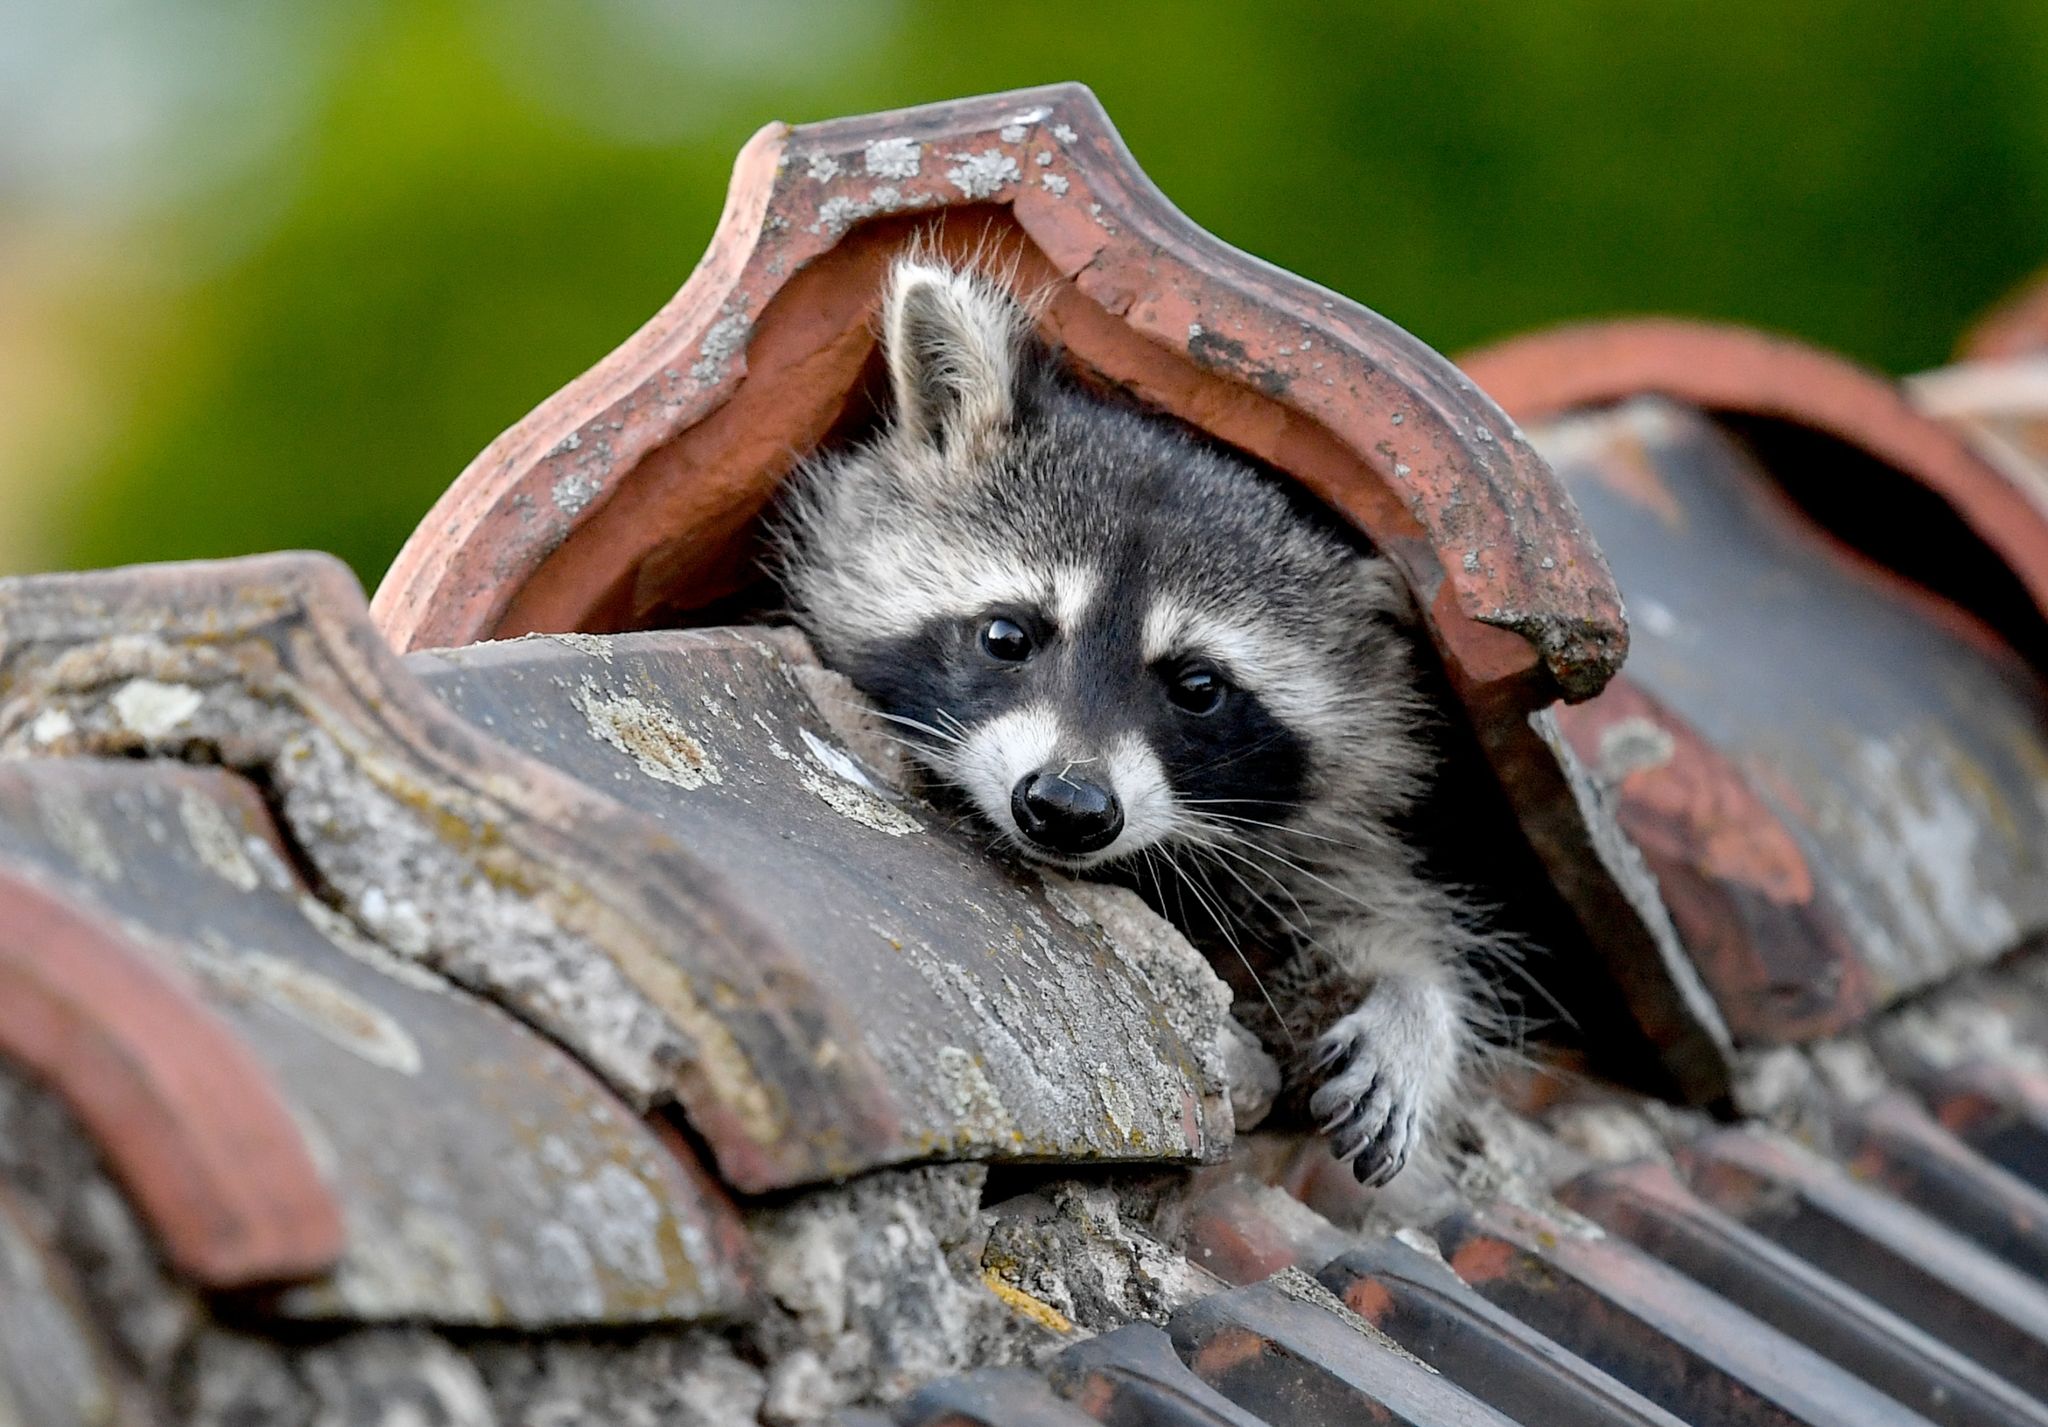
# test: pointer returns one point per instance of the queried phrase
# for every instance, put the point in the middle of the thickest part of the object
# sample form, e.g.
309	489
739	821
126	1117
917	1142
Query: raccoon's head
1110	636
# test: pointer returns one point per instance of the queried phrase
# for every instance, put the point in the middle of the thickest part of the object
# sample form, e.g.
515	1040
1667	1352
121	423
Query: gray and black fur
1130	652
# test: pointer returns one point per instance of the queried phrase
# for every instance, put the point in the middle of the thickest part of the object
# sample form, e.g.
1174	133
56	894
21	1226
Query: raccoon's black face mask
1087	749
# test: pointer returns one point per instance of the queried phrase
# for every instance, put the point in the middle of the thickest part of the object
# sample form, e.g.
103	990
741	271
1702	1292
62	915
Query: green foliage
485	197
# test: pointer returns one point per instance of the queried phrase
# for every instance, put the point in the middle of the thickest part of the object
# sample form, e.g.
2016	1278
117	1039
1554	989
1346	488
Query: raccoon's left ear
953	339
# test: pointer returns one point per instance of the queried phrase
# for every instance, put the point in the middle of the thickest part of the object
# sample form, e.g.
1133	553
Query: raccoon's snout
1070	816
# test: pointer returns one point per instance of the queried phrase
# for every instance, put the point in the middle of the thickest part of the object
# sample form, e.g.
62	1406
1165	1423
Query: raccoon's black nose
1066	815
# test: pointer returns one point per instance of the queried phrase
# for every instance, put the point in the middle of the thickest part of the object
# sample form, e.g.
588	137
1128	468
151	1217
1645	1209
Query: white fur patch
1000	753
904	584
1073	590
1151	813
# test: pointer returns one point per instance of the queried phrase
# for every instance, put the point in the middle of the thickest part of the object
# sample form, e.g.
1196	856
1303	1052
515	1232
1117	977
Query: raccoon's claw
1329	1050
1385	1072
1366	1119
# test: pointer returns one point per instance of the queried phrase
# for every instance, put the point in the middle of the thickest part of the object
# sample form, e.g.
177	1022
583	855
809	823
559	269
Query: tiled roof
592	1027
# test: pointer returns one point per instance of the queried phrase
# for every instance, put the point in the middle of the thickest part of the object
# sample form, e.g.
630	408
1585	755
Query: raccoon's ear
1385	593
953	340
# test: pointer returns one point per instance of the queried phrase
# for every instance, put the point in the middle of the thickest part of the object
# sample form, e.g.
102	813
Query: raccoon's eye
1197	689
1006	640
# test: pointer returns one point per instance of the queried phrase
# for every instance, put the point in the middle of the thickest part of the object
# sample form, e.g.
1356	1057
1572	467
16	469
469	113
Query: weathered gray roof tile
483	1176
985	1016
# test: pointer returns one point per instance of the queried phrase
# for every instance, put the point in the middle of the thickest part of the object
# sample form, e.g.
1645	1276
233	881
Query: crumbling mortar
1083	1250
875	1287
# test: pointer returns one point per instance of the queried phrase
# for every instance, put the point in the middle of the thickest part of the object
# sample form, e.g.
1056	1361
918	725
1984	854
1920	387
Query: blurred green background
270	274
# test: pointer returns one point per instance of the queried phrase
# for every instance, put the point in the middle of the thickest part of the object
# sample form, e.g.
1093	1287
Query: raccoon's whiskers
1258	849
919	750
1236	755
900	741
1288	829
1217	852
1494	991
1487	990
1223	926
941	734
1225	836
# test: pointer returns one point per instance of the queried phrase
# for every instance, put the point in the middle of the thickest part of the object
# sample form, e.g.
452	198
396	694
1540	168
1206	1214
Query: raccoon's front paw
1389	1063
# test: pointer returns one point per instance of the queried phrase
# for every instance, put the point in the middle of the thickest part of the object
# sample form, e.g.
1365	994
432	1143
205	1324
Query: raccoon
1127	651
